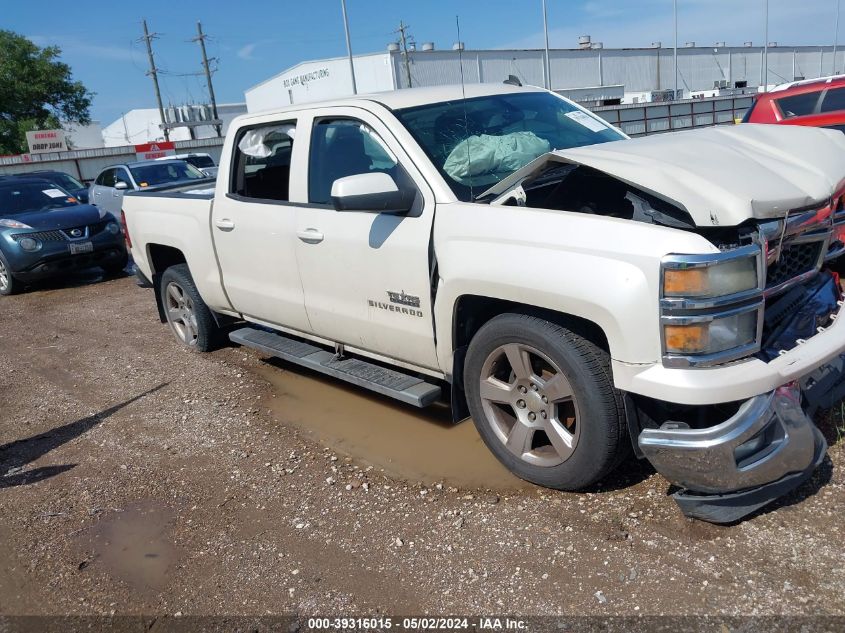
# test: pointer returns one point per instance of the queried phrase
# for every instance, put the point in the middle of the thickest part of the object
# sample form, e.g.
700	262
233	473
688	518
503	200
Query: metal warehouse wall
637	69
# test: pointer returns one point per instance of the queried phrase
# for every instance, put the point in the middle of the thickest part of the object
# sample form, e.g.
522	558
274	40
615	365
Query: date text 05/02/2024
416	623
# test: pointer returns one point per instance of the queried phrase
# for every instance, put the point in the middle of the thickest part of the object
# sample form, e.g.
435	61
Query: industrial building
143	125
591	73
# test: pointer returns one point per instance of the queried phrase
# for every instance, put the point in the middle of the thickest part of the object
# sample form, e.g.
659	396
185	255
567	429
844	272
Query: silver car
202	161
107	190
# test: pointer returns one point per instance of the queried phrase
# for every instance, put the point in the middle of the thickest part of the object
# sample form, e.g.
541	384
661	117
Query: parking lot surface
140	478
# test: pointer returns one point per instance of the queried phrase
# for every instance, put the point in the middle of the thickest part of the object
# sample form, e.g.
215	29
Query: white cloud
81	48
245	52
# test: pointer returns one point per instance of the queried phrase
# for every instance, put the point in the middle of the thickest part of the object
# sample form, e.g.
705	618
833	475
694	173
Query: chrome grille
794	260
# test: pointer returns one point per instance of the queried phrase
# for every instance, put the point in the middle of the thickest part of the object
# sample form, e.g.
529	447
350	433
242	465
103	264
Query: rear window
798	105
834	100
200	161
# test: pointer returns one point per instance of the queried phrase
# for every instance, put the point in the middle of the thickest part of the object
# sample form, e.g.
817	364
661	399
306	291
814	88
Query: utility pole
675	50
548	63
836	35
349	47
766	45
153	72
201	39
402	28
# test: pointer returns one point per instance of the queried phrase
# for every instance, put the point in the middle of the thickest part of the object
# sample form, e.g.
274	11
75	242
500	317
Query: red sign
150	151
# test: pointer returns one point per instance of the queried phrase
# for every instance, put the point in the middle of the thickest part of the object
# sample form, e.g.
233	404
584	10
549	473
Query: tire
543	400
9	285
188	316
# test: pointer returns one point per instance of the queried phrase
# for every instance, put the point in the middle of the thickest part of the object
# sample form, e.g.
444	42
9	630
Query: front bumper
54	263
768	447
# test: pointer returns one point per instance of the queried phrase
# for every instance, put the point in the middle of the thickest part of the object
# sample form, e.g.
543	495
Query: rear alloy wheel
542	399
8	284
180	314
189	318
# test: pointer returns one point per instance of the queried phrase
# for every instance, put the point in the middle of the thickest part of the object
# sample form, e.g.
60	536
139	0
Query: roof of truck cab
407	97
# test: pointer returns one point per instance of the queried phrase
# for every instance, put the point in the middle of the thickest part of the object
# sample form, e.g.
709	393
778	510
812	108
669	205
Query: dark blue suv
46	232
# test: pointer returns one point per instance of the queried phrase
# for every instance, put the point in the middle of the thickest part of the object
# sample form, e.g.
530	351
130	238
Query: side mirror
121	185
375	192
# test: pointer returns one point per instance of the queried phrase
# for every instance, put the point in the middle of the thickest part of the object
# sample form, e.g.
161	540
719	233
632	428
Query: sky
252	40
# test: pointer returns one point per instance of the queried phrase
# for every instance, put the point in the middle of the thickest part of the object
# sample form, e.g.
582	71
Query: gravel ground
140	478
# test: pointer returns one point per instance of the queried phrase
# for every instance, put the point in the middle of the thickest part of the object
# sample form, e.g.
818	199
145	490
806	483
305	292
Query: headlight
113	228
29	244
711	306
13	224
711	335
717	279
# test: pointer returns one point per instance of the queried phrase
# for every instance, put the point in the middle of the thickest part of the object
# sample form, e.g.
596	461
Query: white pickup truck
578	293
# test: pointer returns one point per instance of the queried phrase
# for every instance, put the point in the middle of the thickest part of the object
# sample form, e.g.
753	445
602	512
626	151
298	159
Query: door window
345	147
262	162
106	179
120	175
798	105
834	100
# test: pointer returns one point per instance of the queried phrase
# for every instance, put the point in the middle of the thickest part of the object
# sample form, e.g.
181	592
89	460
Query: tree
37	91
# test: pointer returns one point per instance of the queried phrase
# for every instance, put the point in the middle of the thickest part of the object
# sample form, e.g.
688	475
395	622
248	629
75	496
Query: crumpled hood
62	218
720	175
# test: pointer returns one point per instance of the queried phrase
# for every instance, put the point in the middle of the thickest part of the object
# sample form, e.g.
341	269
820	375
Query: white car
112	182
579	294
202	161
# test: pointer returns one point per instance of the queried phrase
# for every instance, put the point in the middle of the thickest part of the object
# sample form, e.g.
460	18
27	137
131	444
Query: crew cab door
254	223
365	275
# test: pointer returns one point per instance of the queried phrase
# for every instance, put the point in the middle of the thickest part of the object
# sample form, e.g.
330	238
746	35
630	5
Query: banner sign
151	151
41	141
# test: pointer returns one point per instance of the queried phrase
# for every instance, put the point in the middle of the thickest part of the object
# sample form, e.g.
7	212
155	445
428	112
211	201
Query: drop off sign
41	141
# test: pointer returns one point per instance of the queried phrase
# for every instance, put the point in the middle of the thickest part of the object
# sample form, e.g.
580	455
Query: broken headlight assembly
711	306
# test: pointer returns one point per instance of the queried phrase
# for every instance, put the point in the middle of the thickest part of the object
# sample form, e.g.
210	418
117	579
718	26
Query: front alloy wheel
8	284
542	398
529	405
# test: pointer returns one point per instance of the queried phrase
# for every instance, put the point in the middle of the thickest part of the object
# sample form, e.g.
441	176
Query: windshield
15	199
475	143
200	161
163	172
66	181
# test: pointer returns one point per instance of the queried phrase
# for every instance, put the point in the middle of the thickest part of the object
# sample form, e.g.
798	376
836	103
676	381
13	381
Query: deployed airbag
485	154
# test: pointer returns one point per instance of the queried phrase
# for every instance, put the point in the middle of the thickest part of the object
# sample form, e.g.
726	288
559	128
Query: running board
387	382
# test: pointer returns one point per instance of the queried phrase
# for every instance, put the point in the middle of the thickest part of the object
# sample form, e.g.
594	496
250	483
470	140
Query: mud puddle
408	443
134	545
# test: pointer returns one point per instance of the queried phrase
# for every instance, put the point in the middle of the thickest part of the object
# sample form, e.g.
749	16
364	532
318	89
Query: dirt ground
140	478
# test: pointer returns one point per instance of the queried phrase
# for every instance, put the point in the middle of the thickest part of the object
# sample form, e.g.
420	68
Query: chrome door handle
310	236
224	224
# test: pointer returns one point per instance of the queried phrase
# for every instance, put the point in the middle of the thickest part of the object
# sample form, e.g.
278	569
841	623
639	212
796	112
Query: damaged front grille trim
812	225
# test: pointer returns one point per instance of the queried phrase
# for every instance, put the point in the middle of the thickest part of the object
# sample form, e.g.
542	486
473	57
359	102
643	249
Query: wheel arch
160	258
471	312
